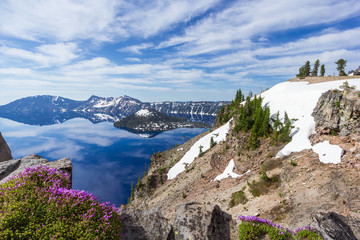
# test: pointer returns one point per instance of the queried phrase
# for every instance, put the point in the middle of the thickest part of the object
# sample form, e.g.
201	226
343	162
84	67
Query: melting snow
299	99
144	113
218	136
328	153
228	172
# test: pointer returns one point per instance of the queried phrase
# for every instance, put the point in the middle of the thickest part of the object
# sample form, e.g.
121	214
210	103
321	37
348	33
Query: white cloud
245	19
59	20
136	48
44	55
15	71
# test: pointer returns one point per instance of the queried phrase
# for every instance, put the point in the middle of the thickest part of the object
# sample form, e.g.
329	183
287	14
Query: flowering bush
252	228
39	204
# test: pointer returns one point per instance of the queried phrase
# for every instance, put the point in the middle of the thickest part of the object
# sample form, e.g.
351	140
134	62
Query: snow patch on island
228	172
299	99
218	135
144	113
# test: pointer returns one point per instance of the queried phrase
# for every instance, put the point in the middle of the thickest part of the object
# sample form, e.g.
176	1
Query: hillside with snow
317	171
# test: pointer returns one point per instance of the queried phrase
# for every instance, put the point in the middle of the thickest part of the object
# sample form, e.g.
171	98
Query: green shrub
38	204
237	198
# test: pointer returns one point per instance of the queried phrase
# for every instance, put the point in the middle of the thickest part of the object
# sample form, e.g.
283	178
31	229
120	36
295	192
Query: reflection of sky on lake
105	159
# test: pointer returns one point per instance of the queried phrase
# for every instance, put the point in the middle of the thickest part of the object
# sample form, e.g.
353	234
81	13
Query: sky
168	50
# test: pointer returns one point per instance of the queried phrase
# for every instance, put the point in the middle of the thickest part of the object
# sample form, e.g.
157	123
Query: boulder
338	111
137	224
5	153
13	167
201	221
335	226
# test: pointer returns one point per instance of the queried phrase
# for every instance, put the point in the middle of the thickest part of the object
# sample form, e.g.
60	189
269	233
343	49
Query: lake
105	159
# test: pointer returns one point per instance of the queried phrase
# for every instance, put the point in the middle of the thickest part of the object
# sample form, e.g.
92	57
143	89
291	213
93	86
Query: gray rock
338	111
143	225
335	226
199	221
5	153
13	167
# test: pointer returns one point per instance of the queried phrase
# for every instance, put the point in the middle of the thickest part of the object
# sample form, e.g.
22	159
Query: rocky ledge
13	167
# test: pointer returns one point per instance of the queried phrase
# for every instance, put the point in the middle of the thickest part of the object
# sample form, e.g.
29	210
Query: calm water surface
105	159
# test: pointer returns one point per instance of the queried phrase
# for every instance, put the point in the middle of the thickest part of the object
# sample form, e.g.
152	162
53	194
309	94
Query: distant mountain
147	122
47	110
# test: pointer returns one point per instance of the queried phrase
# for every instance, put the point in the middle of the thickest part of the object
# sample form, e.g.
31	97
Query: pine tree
264	130
322	70
316	68
277	126
285	130
341	64
307	68
212	142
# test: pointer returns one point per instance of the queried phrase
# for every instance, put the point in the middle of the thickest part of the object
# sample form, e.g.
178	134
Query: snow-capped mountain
46	110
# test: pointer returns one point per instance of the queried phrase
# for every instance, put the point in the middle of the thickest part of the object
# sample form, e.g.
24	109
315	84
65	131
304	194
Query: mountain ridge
47	109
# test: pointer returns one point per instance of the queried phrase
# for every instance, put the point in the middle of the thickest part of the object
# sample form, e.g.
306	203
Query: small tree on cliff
341	64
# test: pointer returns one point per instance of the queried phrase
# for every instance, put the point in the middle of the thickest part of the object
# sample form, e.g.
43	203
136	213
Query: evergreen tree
322	70
277	126
307	68
285	130
302	73
212	142
264	130
316	68
341	64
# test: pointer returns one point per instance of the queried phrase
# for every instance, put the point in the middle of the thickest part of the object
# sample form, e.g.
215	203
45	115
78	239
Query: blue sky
168	50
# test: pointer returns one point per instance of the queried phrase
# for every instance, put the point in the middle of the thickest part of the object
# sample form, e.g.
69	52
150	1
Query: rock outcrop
335	226
5	153
143	225
338	111
200	221
192	221
13	167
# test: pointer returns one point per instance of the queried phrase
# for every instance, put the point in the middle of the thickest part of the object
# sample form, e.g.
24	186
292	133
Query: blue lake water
105	159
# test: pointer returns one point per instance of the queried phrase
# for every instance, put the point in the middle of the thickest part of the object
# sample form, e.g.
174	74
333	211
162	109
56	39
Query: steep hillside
287	182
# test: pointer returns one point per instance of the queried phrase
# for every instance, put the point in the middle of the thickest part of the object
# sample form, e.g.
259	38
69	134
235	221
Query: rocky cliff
5	153
338	112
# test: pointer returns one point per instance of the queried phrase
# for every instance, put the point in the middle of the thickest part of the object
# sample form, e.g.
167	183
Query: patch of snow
144	113
180	149
105	103
228	172
104	117
145	135
218	135
328	153
299	99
